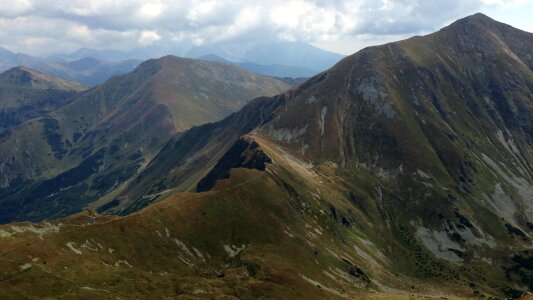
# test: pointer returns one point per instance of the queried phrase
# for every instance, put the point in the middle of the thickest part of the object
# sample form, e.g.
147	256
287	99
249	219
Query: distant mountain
293	81
213	57
57	164
277	59
105	55
271	70
155	50
5	53
32	79
278	70
294	54
26	94
86	70
10	60
6	57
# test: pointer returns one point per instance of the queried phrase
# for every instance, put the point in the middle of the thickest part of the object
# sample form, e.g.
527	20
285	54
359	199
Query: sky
43	27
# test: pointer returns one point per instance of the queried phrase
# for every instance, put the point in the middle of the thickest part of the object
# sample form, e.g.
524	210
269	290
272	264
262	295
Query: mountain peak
477	33
477	20
5	52
155	65
479	17
85	63
25	76
177	64
214	57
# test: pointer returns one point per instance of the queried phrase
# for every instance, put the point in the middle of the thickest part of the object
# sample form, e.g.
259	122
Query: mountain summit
37	80
404	171
26	94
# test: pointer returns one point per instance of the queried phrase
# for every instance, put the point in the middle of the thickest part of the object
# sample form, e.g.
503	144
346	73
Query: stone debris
233	250
70	245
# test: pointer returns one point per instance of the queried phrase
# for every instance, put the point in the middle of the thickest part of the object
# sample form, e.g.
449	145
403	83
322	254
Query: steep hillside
402	172
55	165
26	94
189	156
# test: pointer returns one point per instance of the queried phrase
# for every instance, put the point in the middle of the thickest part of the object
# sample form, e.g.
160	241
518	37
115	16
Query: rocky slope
402	172
55	165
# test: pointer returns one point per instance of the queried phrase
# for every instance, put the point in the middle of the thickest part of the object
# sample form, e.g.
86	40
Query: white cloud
151	10
341	25
10	8
504	2
79	32
148	37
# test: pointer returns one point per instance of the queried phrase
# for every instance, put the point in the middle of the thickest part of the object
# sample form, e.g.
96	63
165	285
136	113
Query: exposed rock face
245	153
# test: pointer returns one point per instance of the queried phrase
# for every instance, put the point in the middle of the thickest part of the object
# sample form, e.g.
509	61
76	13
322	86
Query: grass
252	208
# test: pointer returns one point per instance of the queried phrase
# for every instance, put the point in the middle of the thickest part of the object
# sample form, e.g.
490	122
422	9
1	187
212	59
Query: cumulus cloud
148	37
38	26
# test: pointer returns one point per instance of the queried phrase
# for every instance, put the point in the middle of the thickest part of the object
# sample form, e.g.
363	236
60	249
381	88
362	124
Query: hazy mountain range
91	66
270	70
405	171
86	70
299	59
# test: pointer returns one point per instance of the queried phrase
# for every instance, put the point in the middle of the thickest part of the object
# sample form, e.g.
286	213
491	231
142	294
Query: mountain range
92	66
86	70
96	142
295	54
282	71
405	171
279	59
